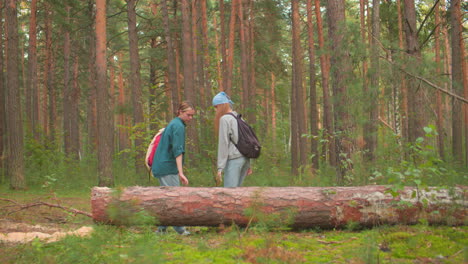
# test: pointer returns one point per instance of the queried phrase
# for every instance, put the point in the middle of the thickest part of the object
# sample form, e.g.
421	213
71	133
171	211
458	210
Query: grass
111	244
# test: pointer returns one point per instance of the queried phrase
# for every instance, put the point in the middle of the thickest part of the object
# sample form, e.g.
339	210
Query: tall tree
104	113
297	94
187	51
437	58
416	108
457	78
67	85
91	113
171	64
371	128
135	83
32	106
340	72
314	119
14	124
2	94
327	105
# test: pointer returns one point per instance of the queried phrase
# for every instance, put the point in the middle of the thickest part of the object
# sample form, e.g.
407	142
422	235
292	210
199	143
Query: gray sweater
228	133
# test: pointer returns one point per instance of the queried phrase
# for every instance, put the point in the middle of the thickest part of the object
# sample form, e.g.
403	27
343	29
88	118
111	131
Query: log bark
324	207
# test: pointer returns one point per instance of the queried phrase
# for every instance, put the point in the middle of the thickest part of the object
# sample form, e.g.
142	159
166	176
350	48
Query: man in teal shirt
168	159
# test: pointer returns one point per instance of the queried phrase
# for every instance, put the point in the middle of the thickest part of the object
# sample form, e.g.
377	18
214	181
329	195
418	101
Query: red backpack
152	149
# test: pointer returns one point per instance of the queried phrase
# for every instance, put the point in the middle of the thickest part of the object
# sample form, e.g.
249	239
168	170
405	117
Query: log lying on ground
306	207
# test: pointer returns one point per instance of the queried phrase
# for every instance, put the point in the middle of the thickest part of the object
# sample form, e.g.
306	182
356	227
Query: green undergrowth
386	244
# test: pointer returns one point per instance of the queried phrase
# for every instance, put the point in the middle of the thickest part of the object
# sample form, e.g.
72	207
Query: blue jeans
170	180
235	171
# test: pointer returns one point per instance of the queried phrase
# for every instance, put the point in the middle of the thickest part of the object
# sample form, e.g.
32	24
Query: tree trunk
299	108
171	63
404	87
14	124
2	95
327	106
314	118
104	112
244	66
91	112
187	56
457	79
135	83
439	108
74	111
340	60
230	49
416	107
222	47
31	89
206	102
301	207
67	88
50	106
373	94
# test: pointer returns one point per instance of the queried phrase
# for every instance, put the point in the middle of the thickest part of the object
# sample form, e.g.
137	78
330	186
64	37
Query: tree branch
456	96
26	206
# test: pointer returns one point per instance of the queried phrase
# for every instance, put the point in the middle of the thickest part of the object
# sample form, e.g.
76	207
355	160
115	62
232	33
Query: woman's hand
219	178
249	171
183	179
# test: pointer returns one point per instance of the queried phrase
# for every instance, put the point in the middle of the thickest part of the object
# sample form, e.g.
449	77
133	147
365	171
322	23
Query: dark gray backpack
248	144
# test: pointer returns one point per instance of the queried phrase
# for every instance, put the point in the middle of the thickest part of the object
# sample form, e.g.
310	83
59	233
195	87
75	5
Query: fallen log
305	207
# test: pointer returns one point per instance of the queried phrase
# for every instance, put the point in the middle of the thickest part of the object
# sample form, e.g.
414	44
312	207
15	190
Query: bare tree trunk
230	54
222	45
31	89
170	58
51	108
404	87
340	74
187	51
15	158
206	56
135	83
3	143
327	106
244	66
439	108
373	95
298	108
251	62
301	207
104	112
314	118
67	88
457	79
416	107
91	114
74	111
273	109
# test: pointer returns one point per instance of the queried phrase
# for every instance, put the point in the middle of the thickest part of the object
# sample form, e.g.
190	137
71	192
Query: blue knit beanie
221	98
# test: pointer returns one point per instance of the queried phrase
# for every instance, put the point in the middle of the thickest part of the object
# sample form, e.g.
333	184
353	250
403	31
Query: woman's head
223	105
186	111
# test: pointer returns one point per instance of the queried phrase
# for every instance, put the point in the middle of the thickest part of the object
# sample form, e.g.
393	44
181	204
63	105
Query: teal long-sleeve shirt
172	145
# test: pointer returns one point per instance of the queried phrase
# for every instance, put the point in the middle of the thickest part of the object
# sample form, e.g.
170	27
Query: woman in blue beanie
230	161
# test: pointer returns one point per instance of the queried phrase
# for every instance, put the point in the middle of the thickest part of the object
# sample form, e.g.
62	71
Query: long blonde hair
221	110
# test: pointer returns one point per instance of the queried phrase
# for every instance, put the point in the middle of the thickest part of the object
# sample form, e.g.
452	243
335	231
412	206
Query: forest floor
25	217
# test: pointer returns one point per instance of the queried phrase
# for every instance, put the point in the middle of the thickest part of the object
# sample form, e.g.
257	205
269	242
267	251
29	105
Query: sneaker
185	233
160	231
